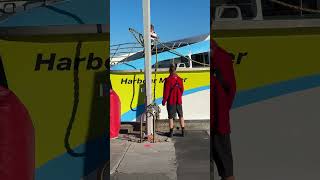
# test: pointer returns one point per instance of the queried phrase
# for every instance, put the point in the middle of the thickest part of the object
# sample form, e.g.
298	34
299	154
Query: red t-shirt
223	89
173	90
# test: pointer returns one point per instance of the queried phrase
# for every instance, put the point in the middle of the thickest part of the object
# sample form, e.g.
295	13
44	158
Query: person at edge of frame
154	36
172	95
223	86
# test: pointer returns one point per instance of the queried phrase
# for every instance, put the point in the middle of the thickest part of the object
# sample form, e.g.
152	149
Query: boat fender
17	140
115	114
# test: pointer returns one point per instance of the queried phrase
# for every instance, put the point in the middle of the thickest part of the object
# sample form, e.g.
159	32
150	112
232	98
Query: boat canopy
163	51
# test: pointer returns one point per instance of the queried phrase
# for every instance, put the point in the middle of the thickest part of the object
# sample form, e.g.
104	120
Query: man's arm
225	74
231	90
228	78
181	86
165	92
154	35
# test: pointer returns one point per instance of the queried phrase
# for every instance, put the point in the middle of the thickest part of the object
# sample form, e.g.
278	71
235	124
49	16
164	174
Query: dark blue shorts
174	109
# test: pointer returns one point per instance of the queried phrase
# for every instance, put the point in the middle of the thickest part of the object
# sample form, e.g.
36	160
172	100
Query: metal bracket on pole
147	62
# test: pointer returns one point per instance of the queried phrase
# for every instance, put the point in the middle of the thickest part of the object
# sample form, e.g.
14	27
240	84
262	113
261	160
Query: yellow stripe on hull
272	59
48	94
122	83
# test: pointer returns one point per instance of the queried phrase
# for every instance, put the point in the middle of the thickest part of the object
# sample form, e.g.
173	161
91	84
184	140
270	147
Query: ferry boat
273	43
191	55
41	45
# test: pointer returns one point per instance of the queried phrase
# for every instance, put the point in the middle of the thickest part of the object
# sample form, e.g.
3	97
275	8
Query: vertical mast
147	60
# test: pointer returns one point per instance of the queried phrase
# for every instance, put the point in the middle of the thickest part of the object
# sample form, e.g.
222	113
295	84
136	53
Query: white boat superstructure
250	14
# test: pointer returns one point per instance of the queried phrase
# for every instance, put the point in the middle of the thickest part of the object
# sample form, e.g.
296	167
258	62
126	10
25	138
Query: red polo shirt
173	90
223	88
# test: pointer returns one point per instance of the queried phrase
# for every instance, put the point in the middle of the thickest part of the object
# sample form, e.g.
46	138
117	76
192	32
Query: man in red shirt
172	95
223	88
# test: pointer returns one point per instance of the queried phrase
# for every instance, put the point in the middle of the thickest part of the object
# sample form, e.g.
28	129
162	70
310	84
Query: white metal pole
147	60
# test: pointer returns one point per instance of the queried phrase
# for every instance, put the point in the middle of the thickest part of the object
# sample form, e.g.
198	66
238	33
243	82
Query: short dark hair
172	68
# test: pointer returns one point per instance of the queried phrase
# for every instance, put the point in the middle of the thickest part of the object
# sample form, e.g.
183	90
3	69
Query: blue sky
173	19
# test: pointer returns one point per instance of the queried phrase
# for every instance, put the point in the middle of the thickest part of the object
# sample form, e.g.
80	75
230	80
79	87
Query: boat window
207	59
247	7
176	60
229	13
202	58
7	8
32	4
185	61
166	63
162	64
273	10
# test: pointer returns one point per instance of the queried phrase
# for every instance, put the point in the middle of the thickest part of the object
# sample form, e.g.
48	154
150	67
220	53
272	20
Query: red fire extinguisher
17	140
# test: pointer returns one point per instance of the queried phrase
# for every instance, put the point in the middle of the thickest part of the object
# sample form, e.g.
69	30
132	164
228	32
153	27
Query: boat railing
159	45
121	52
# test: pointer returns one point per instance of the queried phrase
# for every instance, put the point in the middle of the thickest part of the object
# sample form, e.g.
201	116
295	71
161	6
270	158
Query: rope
74	108
76	88
155	74
155	106
133	87
295	7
